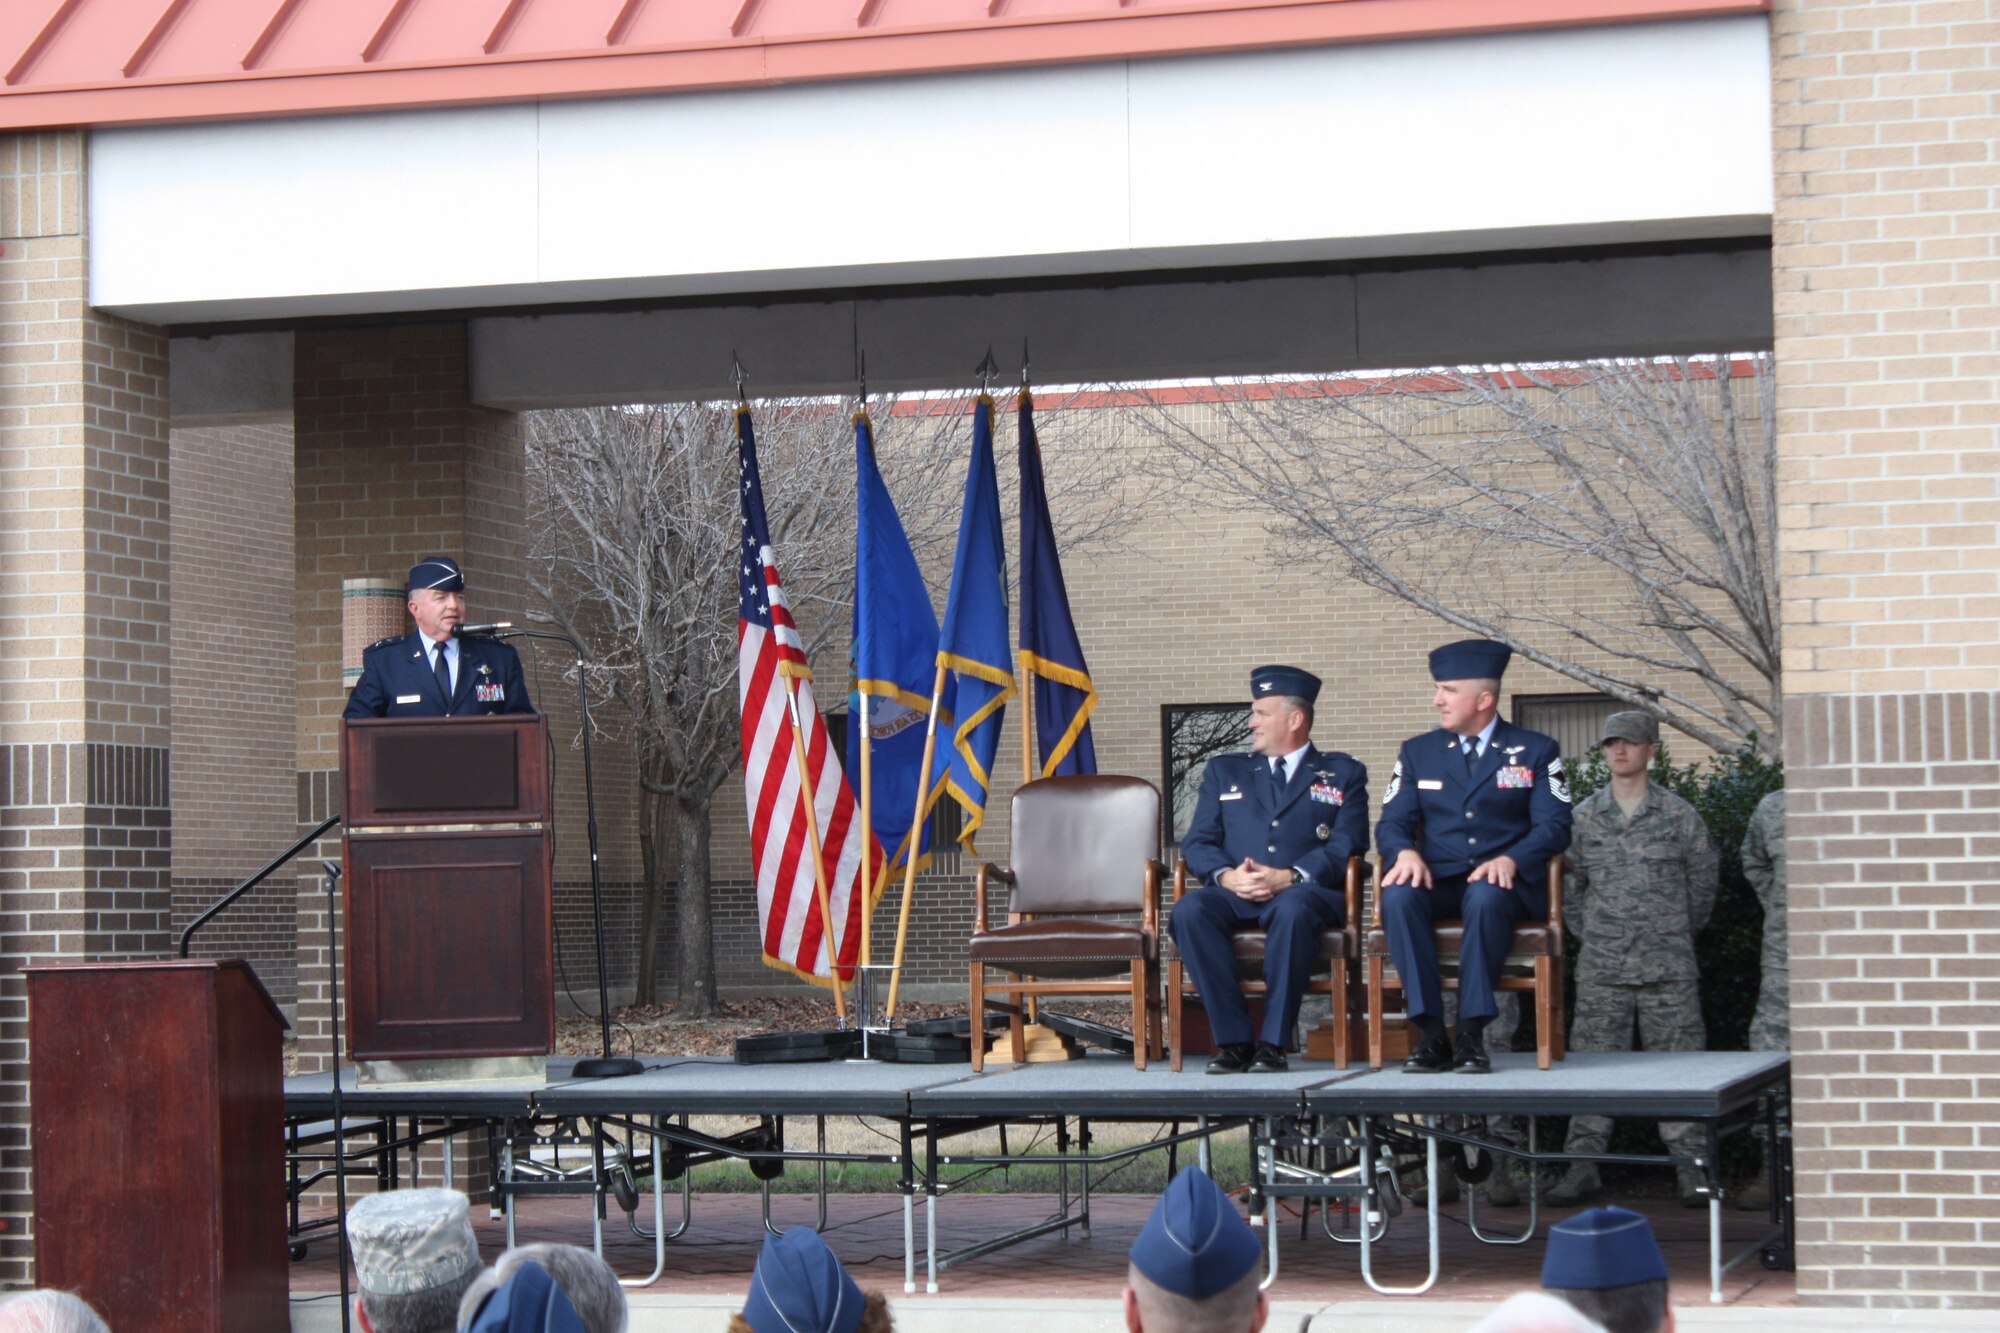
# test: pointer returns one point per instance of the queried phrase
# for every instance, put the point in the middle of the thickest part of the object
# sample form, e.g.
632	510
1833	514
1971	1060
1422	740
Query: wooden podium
448	860
159	1116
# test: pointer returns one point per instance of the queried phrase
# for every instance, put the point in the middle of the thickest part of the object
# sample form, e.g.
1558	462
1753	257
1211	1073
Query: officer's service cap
1277	680
1600	1249
1635	726
437	571
800	1287
1470	659
407	1241
1195	1243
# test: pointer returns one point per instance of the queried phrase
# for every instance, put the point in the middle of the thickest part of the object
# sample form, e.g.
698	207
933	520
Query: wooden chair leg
1017	1036
1174	1015
978	1008
1375	998
1559	1025
1154	1044
1337	1011
1141	1039
1545	1014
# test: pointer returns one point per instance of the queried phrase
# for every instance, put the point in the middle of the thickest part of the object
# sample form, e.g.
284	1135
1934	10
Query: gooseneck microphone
462	631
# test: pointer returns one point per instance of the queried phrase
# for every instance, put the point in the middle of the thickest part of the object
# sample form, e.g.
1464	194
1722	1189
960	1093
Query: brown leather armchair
1537	942
1083	849
1339	954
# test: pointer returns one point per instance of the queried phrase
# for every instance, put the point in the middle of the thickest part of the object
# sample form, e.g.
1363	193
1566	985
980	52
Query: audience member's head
800	1287
415	1253
1536	1312
591	1296
48	1312
1606	1263
1195	1267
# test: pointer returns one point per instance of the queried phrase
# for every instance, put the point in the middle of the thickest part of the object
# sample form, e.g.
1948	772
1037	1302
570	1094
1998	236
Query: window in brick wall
946	818
1575	720
1191	735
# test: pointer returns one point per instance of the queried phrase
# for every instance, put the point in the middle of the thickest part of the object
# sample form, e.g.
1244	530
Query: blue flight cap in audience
1470	659
1284	680
529	1301
1195	1243
1602	1248
437	571
800	1287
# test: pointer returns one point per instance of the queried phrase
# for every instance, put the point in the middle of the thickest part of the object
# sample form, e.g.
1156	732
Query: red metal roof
69	62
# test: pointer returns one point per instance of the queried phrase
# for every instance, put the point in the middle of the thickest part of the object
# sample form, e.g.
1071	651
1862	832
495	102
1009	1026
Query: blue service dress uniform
1314	824
1514	801
397	681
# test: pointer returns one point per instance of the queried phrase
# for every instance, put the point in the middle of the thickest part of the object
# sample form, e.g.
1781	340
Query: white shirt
1292	760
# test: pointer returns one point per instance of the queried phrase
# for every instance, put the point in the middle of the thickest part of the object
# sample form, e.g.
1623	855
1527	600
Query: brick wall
85	831
235	694
1884	238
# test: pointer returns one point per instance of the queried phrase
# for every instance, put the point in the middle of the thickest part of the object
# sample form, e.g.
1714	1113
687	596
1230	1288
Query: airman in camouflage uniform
1771	1026
1641	883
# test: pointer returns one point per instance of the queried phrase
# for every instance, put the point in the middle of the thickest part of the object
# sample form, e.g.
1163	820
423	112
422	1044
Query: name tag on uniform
409	698
1327	794
1516	777
1429	784
490	694
1230	795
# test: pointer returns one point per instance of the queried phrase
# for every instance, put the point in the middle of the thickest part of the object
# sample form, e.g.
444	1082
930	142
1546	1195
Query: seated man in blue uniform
1473	813
431	673
1269	843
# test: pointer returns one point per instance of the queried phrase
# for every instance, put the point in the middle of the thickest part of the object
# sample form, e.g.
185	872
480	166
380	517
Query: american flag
768	650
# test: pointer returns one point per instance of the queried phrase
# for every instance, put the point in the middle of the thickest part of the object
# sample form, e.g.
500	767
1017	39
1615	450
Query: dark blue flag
1050	651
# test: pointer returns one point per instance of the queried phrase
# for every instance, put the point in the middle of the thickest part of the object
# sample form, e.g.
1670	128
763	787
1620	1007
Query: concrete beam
229	377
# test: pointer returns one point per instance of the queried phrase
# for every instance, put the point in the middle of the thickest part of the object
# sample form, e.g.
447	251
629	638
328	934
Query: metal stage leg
909	1188
659	1234
1534	1196
507	1174
930	1208
1201	1148
1714	1170
1430	1206
659	1220
822	1177
1083	1148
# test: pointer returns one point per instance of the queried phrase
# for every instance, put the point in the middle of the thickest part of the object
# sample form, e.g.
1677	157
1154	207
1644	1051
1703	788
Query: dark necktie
1278	774
1470	749
442	669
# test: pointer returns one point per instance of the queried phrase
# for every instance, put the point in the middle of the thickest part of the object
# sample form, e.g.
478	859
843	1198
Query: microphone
467	631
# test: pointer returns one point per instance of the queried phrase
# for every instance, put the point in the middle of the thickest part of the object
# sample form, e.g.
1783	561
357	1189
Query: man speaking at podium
433	672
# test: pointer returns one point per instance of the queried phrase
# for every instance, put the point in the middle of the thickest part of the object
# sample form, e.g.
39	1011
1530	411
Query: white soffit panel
1575	137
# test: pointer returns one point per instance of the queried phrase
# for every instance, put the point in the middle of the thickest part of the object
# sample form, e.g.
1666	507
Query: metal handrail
215	907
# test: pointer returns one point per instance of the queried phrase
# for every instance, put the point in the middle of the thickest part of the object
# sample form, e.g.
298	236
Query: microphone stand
606	1065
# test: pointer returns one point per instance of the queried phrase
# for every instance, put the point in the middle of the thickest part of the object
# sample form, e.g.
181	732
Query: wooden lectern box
158	1100
448	860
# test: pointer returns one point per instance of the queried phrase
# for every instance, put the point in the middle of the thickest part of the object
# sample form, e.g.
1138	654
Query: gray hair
48	1311
429	1310
586	1279
1536	1312
1226	1311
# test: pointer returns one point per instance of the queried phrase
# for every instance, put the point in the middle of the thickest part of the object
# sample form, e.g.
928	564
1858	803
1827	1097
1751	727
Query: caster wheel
297	1249
1772	1260
623	1186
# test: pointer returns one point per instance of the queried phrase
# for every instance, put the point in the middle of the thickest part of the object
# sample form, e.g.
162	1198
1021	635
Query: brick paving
717	1252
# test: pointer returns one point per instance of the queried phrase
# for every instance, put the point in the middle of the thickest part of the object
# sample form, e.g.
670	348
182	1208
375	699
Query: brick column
84	704
1884	240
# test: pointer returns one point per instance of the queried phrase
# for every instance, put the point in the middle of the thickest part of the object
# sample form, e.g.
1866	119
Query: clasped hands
1410	869
1256	883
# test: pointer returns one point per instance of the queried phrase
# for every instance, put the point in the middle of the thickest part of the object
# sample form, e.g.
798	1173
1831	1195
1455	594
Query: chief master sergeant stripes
1473	814
1269	841
1643	876
430	673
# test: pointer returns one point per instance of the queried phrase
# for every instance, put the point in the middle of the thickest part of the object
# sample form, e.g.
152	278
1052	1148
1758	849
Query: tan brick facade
1884	273
85	830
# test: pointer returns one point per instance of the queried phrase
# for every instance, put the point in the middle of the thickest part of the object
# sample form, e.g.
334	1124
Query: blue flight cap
437	571
800	1287
1195	1243
1470	659
1602	1248
529	1301
1284	680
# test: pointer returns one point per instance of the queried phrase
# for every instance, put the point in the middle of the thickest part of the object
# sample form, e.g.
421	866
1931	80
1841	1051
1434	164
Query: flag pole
868	874
1027	672
910	866
809	797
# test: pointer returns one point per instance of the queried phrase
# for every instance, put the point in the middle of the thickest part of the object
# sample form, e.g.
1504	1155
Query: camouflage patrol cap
1635	726
408	1241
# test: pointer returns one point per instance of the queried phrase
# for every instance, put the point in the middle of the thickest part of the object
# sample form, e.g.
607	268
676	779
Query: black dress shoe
1269	1059
1432	1056
1231	1059
1470	1057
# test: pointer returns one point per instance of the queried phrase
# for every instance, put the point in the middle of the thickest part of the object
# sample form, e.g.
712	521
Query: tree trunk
656	832
694	979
